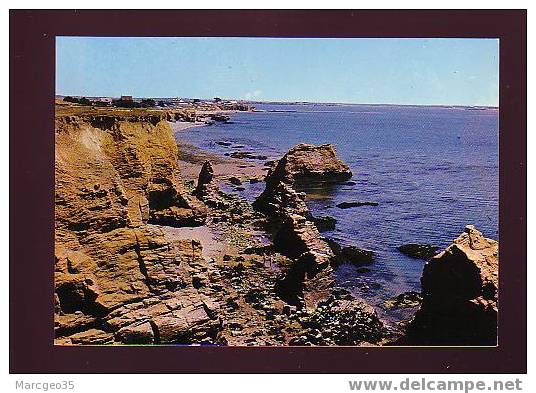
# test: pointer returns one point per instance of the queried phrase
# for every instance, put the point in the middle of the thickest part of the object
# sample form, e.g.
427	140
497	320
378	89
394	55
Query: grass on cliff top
63	109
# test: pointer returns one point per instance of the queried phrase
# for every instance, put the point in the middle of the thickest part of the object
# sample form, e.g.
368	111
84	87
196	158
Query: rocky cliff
118	279
460	294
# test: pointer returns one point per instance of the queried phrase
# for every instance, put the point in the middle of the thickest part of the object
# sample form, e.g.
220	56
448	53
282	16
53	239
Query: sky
350	70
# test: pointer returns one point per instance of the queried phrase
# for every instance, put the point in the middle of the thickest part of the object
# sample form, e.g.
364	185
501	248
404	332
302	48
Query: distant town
128	101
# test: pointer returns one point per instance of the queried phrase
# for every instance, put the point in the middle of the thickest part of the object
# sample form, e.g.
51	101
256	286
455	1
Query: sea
431	169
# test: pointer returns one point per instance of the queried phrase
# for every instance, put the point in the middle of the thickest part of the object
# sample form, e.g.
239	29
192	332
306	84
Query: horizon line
290	102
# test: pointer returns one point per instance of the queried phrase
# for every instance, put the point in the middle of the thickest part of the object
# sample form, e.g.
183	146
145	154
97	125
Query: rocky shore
152	248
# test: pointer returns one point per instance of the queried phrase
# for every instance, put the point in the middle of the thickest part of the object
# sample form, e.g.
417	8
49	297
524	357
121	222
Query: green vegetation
145	103
81	101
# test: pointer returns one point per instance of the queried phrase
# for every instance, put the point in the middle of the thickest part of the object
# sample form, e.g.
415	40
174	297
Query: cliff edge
118	279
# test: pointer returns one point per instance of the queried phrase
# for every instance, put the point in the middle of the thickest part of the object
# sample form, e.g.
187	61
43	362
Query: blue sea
432	171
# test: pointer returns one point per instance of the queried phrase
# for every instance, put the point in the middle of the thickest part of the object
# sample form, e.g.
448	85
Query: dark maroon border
31	131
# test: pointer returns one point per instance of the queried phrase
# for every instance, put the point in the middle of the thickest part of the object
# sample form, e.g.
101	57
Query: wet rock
263	249
356	255
348	205
325	223
334	245
344	322
223	143
404	300
235	180
246	155
419	251
270	164
220	117
254	180
459	289
351	254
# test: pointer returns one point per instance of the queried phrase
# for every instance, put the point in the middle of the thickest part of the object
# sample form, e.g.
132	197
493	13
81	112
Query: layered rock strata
118	279
292	225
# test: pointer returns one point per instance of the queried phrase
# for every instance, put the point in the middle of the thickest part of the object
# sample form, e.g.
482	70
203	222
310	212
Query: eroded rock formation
207	190
293	226
460	294
118	279
311	162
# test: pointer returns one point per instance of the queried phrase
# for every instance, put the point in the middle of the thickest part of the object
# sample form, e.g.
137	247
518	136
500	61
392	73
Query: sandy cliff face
117	278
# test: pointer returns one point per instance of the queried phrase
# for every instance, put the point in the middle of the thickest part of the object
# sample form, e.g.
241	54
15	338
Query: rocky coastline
151	248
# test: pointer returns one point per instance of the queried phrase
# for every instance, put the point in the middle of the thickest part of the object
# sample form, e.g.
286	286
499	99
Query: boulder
325	223
356	255
352	254
418	251
460	294
137	333
91	337
297	236
404	300
310	162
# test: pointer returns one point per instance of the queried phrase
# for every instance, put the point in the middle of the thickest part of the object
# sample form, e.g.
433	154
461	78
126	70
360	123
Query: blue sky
389	71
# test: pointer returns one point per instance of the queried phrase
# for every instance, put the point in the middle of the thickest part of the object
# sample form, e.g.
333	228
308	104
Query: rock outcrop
293	227
310	162
122	167
118	279
460	294
207	190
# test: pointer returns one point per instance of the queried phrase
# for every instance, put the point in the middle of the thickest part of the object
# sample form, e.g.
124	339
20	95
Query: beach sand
191	159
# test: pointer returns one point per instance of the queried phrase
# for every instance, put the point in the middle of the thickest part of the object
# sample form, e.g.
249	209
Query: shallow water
432	170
